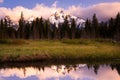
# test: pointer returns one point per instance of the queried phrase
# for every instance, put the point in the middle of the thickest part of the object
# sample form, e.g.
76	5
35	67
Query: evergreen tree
53	31
27	31
117	27
73	26
32	29
21	26
1	29
66	28
4	28
95	25
60	31
103	30
36	29
41	28
111	28
88	29
46	29
11	33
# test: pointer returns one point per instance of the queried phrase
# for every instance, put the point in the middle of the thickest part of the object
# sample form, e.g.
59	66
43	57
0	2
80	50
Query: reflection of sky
18	78
30	73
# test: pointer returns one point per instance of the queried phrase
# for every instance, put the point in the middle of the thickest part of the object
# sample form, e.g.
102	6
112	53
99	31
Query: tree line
43	29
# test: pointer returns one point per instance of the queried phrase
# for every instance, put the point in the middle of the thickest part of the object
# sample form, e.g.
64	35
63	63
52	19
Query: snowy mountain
59	17
31	19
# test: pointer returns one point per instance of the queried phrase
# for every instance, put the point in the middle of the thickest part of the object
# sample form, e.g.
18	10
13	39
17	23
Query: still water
61	72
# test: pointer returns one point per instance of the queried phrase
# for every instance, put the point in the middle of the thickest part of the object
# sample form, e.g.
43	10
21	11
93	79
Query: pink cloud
40	10
103	11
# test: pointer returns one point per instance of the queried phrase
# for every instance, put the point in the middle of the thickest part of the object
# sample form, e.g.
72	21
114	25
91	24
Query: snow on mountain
59	17
80	23
31	19
56	19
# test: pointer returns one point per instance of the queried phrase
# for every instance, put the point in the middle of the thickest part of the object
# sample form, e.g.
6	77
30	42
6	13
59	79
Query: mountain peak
59	17
31	19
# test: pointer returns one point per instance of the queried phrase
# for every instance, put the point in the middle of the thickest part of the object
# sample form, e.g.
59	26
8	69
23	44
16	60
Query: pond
78	71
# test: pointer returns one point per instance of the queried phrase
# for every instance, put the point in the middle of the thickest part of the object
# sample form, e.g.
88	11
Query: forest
43	29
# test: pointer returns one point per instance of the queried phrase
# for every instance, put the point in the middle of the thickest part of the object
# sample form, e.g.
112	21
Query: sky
81	8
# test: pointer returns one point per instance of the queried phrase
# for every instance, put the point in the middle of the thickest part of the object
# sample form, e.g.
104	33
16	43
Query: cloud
1	1
40	10
103	11
55	4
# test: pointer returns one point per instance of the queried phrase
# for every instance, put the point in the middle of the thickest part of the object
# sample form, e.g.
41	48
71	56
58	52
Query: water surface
61	72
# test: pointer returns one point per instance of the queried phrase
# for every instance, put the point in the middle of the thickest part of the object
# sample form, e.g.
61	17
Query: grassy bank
83	49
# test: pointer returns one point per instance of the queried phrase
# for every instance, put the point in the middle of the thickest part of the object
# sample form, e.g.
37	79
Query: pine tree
4	28
36	28
11	33
41	28
95	25
88	29
117	27
60	31
111	28
1	29
103	30
46	28
73	26
27	31
21	26
66	28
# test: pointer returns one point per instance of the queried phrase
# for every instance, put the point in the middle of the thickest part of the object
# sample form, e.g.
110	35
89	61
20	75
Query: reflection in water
116	66
62	72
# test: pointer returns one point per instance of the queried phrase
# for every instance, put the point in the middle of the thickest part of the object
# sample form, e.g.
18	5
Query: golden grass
28	50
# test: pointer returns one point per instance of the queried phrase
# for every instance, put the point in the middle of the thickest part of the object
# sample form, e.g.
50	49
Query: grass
83	49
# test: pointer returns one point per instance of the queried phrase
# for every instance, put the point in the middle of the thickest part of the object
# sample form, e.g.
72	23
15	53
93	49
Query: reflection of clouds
48	73
108	74
104	73
22	73
1	78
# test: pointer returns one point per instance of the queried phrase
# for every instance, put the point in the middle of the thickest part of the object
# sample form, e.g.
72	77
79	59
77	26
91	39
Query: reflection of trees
116	66
67	68
64	69
94	66
24	71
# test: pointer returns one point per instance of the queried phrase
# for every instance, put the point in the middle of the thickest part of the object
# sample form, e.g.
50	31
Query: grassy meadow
83	49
